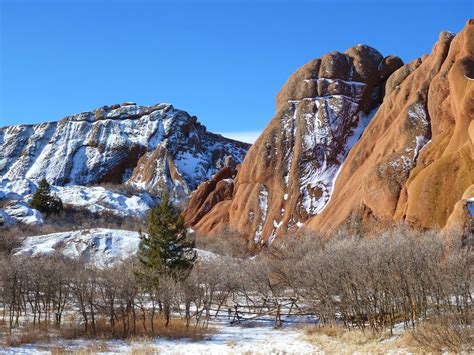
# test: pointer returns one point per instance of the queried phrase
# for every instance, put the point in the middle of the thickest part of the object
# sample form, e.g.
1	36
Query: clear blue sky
223	61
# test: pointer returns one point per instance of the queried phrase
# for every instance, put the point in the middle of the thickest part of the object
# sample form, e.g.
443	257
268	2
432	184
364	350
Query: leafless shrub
72	219
366	285
228	243
444	333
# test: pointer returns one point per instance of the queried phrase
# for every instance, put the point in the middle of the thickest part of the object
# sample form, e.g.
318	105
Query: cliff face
288	174
414	161
357	139
150	148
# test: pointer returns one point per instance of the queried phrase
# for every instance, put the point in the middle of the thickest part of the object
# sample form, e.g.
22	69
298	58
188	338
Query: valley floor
255	339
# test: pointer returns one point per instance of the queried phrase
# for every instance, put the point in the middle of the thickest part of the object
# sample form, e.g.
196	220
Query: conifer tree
166	249
165	252
44	201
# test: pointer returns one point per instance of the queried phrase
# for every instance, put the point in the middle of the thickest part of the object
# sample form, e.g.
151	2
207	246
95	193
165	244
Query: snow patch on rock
263	205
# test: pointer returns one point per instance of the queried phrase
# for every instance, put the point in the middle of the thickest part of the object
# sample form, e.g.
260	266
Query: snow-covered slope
149	148
101	247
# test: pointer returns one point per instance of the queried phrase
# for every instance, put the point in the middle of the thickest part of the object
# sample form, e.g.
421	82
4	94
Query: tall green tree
166	253
44	201
166	249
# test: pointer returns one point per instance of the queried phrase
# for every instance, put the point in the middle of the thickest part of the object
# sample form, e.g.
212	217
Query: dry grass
144	350
92	349
441	334
433	336
25	337
177	329
339	340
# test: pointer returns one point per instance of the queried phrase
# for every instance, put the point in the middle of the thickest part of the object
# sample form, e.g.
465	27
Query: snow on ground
99	200
227	340
101	247
20	212
95	199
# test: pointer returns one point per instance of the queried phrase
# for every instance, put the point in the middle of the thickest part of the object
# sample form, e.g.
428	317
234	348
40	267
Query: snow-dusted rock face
288	174
148	147
95	199
415	160
151	149
100	247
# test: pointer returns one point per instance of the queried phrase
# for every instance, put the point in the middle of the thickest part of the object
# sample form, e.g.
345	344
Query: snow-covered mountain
100	247
147	148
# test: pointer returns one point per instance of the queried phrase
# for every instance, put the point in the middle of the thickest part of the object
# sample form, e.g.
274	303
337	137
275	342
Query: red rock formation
287	175
414	161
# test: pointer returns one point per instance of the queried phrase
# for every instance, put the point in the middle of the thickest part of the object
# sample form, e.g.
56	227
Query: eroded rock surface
288	174
149	148
414	161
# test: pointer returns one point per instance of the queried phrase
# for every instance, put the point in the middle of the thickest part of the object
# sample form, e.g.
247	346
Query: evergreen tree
44	201
166	250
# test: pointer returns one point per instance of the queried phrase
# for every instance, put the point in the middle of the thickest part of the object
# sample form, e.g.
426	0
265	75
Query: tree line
401	276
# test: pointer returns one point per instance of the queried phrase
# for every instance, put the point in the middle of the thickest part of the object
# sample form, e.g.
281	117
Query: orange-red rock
288	173
413	162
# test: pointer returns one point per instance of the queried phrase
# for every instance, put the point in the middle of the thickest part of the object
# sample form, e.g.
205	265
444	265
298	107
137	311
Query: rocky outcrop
152	149
288	174
414	161
219	188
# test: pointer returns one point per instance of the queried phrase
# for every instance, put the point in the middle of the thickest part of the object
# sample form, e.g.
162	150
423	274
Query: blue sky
223	61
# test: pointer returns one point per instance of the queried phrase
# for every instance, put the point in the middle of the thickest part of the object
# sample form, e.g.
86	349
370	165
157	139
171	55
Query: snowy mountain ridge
150	149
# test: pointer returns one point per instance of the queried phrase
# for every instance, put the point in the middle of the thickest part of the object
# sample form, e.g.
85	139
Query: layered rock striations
357	140
135	152
150	148
415	162
288	174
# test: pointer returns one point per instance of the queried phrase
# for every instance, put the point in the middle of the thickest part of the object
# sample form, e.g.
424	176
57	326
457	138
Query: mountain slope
151	148
288	174
146	149
413	161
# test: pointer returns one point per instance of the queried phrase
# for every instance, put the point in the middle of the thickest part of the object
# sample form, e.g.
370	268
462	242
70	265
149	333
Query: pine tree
44	201
166	250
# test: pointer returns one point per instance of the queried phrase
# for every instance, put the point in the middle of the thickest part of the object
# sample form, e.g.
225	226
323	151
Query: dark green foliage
166	251
44	201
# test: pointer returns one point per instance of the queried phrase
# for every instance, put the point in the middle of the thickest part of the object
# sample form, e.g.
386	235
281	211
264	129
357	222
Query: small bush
329	331
176	329
446	333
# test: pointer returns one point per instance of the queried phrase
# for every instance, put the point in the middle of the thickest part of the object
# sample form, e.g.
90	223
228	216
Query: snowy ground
100	246
228	340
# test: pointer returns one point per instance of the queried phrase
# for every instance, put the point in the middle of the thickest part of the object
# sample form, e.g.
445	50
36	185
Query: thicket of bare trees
398	277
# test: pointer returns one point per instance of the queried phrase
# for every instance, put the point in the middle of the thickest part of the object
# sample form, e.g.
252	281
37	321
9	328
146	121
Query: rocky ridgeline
149	149
288	174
